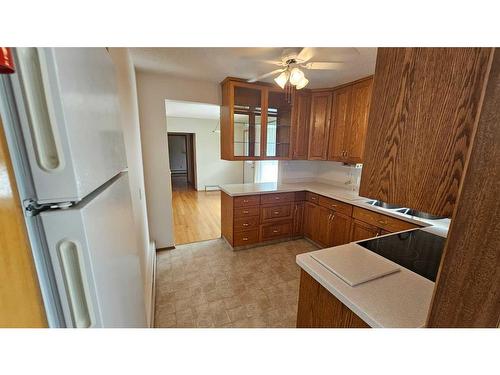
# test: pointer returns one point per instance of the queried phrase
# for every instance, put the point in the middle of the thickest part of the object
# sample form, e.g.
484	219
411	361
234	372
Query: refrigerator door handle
36	89
74	275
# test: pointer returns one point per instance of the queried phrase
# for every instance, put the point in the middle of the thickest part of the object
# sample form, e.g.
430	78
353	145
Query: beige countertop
401	299
398	300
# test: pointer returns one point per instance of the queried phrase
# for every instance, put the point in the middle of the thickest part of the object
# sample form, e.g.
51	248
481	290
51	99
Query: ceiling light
302	83
282	79
296	76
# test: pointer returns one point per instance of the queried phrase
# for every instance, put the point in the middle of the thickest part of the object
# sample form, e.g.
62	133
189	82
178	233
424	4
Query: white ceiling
177	108
215	64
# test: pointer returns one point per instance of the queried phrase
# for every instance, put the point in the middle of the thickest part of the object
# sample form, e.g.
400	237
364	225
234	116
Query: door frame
191	165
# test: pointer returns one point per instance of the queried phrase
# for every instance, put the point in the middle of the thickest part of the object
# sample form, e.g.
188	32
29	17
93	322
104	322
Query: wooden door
359	111
302	116
20	300
340	123
311	220
422	114
324	226
319	125
362	231
298	219
340	229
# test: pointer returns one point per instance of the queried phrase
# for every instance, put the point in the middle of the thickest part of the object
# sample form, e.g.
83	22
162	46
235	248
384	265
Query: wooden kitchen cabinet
255	121
298	219
423	113
300	129
349	121
311	217
319	125
362	231
334	228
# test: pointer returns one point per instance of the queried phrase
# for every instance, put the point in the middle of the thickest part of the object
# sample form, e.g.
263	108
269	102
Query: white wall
153	89
210	169
127	92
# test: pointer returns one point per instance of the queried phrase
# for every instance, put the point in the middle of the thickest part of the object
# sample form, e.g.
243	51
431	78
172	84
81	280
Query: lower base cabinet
318	308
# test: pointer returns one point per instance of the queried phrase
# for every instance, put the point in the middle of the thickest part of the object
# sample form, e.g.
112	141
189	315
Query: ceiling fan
291	63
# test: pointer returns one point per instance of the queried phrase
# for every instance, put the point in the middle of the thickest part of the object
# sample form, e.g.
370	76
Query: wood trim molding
467	291
21	303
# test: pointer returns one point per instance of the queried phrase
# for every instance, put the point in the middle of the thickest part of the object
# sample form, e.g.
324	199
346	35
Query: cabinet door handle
245	238
276	212
245	224
245	200
275	231
245	212
277	198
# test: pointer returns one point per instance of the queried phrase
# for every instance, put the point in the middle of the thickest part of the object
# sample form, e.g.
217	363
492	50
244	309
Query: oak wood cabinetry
319	125
300	126
349	121
256	121
253	219
424	104
318	308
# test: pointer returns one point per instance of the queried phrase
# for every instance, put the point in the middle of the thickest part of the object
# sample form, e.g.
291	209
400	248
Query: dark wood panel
422	112
248	237
298	219
318	308
247	200
336	205
340	229
311	212
275	230
319	125
388	223
311	197
246	212
467	292
246	223
302	108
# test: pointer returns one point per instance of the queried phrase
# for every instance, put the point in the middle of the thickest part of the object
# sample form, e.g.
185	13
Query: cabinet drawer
277	198
247	237
246	211
247	200
311	197
246	223
334	205
300	196
387	223
282	211
276	230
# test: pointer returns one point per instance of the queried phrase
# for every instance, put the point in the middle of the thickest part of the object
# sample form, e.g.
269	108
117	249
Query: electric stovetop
417	250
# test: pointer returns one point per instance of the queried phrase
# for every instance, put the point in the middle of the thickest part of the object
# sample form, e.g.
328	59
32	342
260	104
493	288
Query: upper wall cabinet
319	125
422	118
349	121
256	122
300	129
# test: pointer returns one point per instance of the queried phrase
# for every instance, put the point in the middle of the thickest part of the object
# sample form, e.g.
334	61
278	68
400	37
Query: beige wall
153	89
127	92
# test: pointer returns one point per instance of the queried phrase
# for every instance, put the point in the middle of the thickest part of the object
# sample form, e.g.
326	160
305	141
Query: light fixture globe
296	76
303	83
282	79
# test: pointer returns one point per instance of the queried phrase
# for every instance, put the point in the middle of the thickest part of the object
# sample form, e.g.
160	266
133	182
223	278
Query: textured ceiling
215	64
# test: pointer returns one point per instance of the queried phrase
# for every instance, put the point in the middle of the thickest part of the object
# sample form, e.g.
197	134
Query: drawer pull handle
382	222
277	198
245	224
245	200
245	238
334	205
276	212
275	231
245	212
313	198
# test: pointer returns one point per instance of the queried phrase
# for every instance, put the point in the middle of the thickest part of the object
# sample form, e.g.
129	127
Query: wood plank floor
196	215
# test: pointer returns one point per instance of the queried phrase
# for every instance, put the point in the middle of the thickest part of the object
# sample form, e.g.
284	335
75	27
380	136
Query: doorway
181	150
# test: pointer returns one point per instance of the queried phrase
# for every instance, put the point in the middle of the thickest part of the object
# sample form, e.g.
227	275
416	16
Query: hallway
196	213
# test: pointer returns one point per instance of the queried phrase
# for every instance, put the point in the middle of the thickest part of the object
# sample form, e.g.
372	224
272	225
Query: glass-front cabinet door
247	121
279	125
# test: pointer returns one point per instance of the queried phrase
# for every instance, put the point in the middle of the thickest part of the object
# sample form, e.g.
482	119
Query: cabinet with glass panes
256	121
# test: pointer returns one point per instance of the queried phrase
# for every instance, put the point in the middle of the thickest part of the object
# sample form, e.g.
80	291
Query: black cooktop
417	250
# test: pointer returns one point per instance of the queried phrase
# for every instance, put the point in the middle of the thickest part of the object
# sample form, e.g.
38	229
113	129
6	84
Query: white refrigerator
62	111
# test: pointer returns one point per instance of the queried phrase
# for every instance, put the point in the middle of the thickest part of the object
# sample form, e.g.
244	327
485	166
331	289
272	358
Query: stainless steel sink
382	204
420	214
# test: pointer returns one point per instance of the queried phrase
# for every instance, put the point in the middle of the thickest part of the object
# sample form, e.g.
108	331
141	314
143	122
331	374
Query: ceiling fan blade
265	75
306	54
274	62
319	65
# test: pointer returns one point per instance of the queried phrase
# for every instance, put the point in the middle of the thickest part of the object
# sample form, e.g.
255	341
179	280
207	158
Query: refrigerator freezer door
68	106
96	260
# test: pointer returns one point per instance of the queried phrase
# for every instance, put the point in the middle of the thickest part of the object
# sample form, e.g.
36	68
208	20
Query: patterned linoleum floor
206	284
